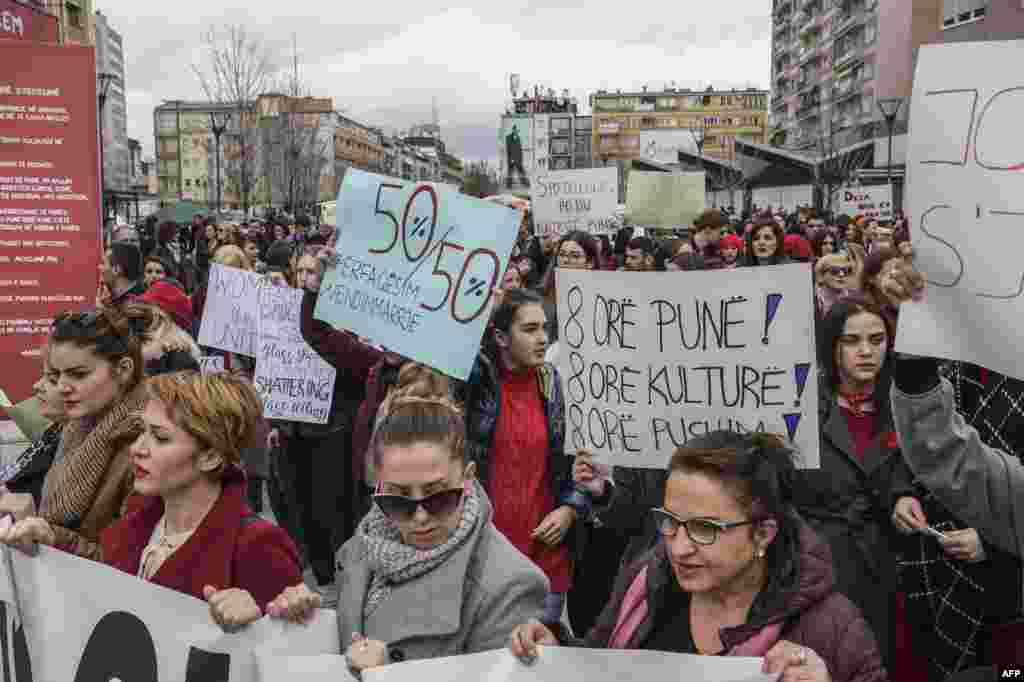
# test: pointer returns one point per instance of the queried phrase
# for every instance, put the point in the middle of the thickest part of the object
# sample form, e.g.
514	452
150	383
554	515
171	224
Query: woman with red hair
731	248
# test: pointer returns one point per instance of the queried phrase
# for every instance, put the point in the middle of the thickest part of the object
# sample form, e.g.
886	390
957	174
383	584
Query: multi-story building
74	19
542	132
968	20
832	60
426	139
114	113
28	20
357	146
655	125
186	152
296	150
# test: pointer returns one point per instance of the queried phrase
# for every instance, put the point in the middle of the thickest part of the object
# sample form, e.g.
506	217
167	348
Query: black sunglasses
401	508
840	272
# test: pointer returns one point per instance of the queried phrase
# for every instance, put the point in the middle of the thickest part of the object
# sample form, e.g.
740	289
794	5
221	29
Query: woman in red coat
189	527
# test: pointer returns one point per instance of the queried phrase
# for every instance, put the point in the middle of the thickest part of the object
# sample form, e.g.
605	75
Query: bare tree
838	163
725	177
236	69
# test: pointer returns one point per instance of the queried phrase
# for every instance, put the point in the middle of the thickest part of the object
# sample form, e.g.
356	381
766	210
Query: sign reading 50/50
417	265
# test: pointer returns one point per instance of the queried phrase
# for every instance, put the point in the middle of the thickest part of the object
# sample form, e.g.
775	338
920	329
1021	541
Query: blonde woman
232	256
166	347
834	276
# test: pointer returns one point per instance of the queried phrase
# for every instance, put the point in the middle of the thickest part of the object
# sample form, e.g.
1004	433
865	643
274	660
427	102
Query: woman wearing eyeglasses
736	573
833	275
427	573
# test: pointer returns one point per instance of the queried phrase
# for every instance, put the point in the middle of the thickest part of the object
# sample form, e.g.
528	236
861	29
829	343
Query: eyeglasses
401	508
700	531
840	272
83	320
572	256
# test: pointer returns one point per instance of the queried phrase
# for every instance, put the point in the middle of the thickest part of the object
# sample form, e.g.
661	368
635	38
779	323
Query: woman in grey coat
427	574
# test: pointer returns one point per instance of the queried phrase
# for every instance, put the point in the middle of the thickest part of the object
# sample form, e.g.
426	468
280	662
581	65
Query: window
167	121
648	122
560	126
560	147
957	12
74	14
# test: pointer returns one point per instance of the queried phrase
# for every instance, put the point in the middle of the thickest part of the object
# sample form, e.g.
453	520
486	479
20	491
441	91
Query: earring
760	554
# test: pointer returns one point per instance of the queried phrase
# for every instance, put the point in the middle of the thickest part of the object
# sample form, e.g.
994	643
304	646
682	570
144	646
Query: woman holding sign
191	530
736	573
427	573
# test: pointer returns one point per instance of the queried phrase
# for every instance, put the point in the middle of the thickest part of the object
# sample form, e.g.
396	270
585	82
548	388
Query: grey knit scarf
393	562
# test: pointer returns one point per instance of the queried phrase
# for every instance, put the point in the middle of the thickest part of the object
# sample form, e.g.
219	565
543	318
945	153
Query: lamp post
103	81
890	108
218	124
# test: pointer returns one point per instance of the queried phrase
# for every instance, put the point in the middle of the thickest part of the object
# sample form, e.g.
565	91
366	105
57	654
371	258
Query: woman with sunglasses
833	277
97	364
736	573
427	573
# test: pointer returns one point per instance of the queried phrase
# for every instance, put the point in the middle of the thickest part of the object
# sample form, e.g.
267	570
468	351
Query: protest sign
417	265
294	382
569	664
651	360
966	201
328	668
874	203
211	364
584	199
666	200
49	188
83	621
229	317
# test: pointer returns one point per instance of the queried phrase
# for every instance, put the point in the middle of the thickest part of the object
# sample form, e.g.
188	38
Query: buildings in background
114	113
966	20
655	125
289	152
28	20
542	132
75	20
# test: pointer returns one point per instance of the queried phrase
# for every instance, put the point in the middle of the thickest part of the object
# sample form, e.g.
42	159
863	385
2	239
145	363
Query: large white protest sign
651	360
328	668
86	622
229	316
294	382
965	171
564	664
417	265
874	203
211	364
585	199
664	200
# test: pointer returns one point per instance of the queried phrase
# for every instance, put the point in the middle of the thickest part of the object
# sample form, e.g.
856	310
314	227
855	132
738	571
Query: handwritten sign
874	203
966	198
229	316
585	199
211	364
417	266
665	200
83	621
565	664
294	382
650	361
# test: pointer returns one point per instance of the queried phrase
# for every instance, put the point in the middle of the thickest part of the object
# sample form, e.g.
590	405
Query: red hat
796	246
730	241
170	297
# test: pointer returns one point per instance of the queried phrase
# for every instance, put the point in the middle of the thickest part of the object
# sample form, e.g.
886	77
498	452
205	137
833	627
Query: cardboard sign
417	266
665	200
586	199
650	361
294	382
874	203
83	621
965	171
229	316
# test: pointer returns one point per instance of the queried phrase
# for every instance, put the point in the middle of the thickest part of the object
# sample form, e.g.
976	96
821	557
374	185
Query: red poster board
49	199
24	22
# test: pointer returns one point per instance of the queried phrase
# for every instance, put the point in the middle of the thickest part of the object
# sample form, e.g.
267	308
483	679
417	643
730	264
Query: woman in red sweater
189	528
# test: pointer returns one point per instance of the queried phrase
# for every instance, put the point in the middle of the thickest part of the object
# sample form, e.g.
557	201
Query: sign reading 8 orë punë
417	263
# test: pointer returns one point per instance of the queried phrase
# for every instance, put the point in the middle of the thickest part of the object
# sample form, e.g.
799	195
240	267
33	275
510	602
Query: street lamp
890	108
103	81
218	123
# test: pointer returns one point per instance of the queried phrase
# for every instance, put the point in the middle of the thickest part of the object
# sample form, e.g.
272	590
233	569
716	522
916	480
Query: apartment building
655	125
114	116
541	132
969	20
832	60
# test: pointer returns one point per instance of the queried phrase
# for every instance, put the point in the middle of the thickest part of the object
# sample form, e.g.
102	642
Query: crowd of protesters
441	518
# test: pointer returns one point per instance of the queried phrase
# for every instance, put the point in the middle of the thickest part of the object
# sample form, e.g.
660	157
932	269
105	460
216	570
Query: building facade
542	132
653	125
357	146
971	20
832	60
114	114
75	20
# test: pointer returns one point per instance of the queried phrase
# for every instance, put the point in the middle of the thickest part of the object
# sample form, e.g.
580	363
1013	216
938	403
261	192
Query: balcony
847	88
844	23
808	111
848	55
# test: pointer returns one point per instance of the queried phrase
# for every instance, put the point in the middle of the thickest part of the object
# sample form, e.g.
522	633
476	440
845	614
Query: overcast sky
382	62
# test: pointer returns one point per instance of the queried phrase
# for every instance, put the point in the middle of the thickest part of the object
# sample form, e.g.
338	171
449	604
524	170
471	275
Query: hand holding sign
417	266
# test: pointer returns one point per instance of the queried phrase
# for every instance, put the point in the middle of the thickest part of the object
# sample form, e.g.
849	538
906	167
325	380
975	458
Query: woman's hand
366	653
26	534
963	545
555	525
231	609
274	439
907	515
527	637
900	282
796	663
584	473
297	604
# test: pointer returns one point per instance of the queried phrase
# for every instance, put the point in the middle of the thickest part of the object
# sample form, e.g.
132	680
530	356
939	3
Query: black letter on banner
120	647
204	666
